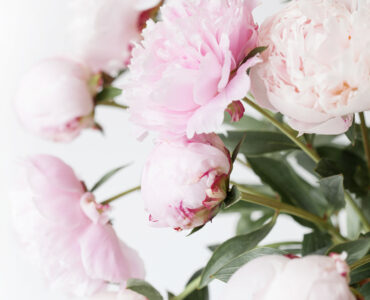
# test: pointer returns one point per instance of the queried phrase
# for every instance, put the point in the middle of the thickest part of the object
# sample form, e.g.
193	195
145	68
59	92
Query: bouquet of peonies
185	70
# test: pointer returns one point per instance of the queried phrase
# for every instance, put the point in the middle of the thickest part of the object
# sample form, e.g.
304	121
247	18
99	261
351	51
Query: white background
29	32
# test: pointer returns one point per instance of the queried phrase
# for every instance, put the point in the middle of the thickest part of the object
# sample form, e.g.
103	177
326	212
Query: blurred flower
316	70
185	181
55	101
103	31
66	232
122	295
189	67
276	277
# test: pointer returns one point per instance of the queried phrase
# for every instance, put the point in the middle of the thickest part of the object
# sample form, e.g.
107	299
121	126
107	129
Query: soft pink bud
189	66
184	182
54	99
276	277
66	233
104	30
316	70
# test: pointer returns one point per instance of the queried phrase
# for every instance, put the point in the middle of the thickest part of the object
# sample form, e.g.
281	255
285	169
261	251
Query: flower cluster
56	99
183	64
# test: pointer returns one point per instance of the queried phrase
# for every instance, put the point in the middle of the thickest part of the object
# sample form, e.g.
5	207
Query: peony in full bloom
184	182
103	31
54	99
189	67
275	277
66	233
316	70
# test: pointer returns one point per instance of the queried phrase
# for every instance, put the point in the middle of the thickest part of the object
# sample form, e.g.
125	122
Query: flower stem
365	138
191	287
108	201
295	211
291	134
309	151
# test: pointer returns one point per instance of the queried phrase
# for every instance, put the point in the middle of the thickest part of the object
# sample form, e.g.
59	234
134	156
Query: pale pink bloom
66	233
189	67
316	70
184	182
54	99
275	277
103	31
122	295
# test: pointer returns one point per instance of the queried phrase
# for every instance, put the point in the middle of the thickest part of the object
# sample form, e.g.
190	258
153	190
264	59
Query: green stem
361	262
365	138
113	104
191	287
309	151
108	201
295	211
291	134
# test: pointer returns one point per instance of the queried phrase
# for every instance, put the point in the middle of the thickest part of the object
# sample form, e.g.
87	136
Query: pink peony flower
184	181
316	70
103	31
66	232
55	101
276	277
189	67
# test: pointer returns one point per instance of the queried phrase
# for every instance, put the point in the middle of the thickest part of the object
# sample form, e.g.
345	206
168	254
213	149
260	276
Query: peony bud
190	67
55	101
66	233
316	70
276	277
184	182
104	31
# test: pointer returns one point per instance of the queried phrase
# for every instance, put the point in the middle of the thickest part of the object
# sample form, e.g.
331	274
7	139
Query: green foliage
143	288
107	94
201	294
231	249
257	143
288	184
106	177
355	249
316	242
333	190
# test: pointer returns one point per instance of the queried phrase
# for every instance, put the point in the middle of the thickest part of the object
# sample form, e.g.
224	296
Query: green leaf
143	288
343	161
196	229
248	123
305	162
291	187
351	134
106	177
253	53
354	225
333	190
247	224
355	249
257	143
316	242
108	93
237	149
233	196
229	269
365	291
232	248
201	294
360	273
